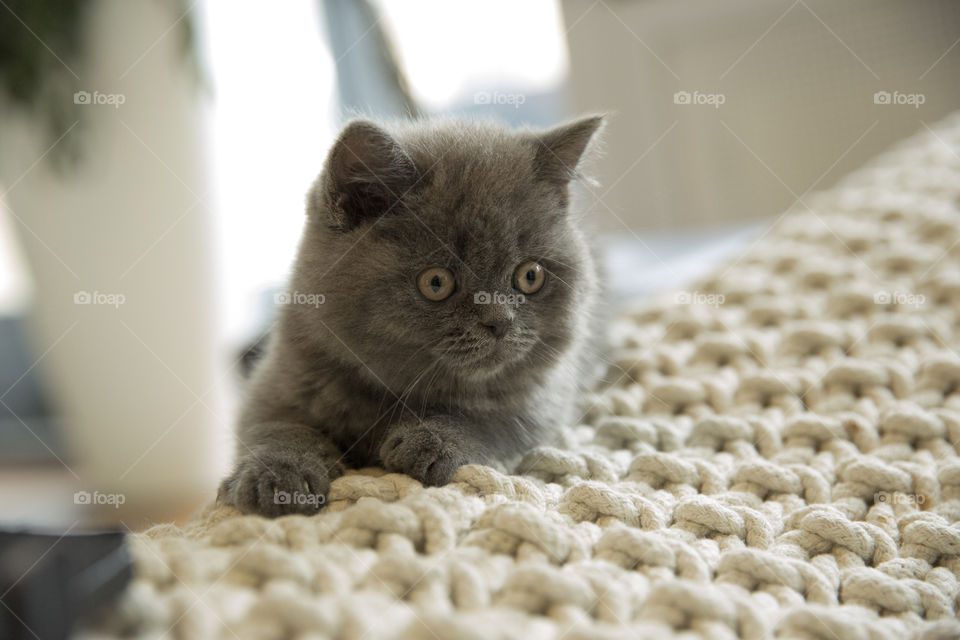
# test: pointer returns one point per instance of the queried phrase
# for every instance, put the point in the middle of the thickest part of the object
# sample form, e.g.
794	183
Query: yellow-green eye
529	277
436	283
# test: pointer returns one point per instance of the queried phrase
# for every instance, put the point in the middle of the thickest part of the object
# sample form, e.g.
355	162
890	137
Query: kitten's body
378	374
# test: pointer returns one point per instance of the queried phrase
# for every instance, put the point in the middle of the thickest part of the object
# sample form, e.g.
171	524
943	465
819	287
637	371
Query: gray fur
378	374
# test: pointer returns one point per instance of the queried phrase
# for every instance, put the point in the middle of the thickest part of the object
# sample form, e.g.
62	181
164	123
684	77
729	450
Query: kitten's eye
529	277
436	283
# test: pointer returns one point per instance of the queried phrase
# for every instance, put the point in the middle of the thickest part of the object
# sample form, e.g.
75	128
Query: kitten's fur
380	375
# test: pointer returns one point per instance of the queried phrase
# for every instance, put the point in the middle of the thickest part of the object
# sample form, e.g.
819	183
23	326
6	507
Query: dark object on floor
51	582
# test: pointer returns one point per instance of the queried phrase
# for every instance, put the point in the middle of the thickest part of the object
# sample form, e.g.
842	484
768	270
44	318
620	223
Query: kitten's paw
274	485
422	453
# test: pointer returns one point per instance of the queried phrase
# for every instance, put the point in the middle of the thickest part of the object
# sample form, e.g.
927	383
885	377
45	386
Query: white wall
797	78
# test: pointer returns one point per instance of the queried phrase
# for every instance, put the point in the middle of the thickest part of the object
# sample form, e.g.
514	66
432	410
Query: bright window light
447	50
271	123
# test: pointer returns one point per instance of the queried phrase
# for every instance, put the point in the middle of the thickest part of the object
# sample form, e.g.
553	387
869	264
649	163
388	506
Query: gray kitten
440	312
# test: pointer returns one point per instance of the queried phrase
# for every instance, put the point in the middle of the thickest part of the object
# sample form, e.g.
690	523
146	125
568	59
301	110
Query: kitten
439	312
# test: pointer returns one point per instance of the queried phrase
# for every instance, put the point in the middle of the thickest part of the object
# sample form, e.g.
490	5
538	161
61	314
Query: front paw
271	485
423	453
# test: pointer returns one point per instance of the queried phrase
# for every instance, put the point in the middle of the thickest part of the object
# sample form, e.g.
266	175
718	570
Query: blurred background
154	158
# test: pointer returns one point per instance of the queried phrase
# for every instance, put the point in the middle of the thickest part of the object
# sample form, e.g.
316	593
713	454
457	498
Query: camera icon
281	497
881	97
880	497
681	97
82	297
82	97
481	97
881	297
482	297
82	497
683	297
282	298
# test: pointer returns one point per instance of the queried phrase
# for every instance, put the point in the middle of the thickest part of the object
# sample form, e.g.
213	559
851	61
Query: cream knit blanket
778	459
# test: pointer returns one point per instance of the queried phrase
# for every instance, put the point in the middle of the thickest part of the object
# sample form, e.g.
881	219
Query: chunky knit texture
777	459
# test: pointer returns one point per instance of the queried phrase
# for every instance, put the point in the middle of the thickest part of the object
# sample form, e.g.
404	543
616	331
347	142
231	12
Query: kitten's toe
285	491
442	469
274	488
423	455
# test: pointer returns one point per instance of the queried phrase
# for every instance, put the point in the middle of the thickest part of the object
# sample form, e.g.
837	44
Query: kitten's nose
497	327
495	318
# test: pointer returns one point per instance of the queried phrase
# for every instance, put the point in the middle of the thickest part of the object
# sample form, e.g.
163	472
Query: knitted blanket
779	458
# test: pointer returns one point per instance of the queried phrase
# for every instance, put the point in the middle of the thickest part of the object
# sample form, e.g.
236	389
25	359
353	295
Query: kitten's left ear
560	149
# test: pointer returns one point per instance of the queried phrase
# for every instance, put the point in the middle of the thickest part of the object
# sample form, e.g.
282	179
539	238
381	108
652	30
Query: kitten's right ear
560	150
366	174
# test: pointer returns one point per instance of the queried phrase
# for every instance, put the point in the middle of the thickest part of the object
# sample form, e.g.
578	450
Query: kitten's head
446	249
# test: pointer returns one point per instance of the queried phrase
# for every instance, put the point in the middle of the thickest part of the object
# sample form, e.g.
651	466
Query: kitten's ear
560	149
366	174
